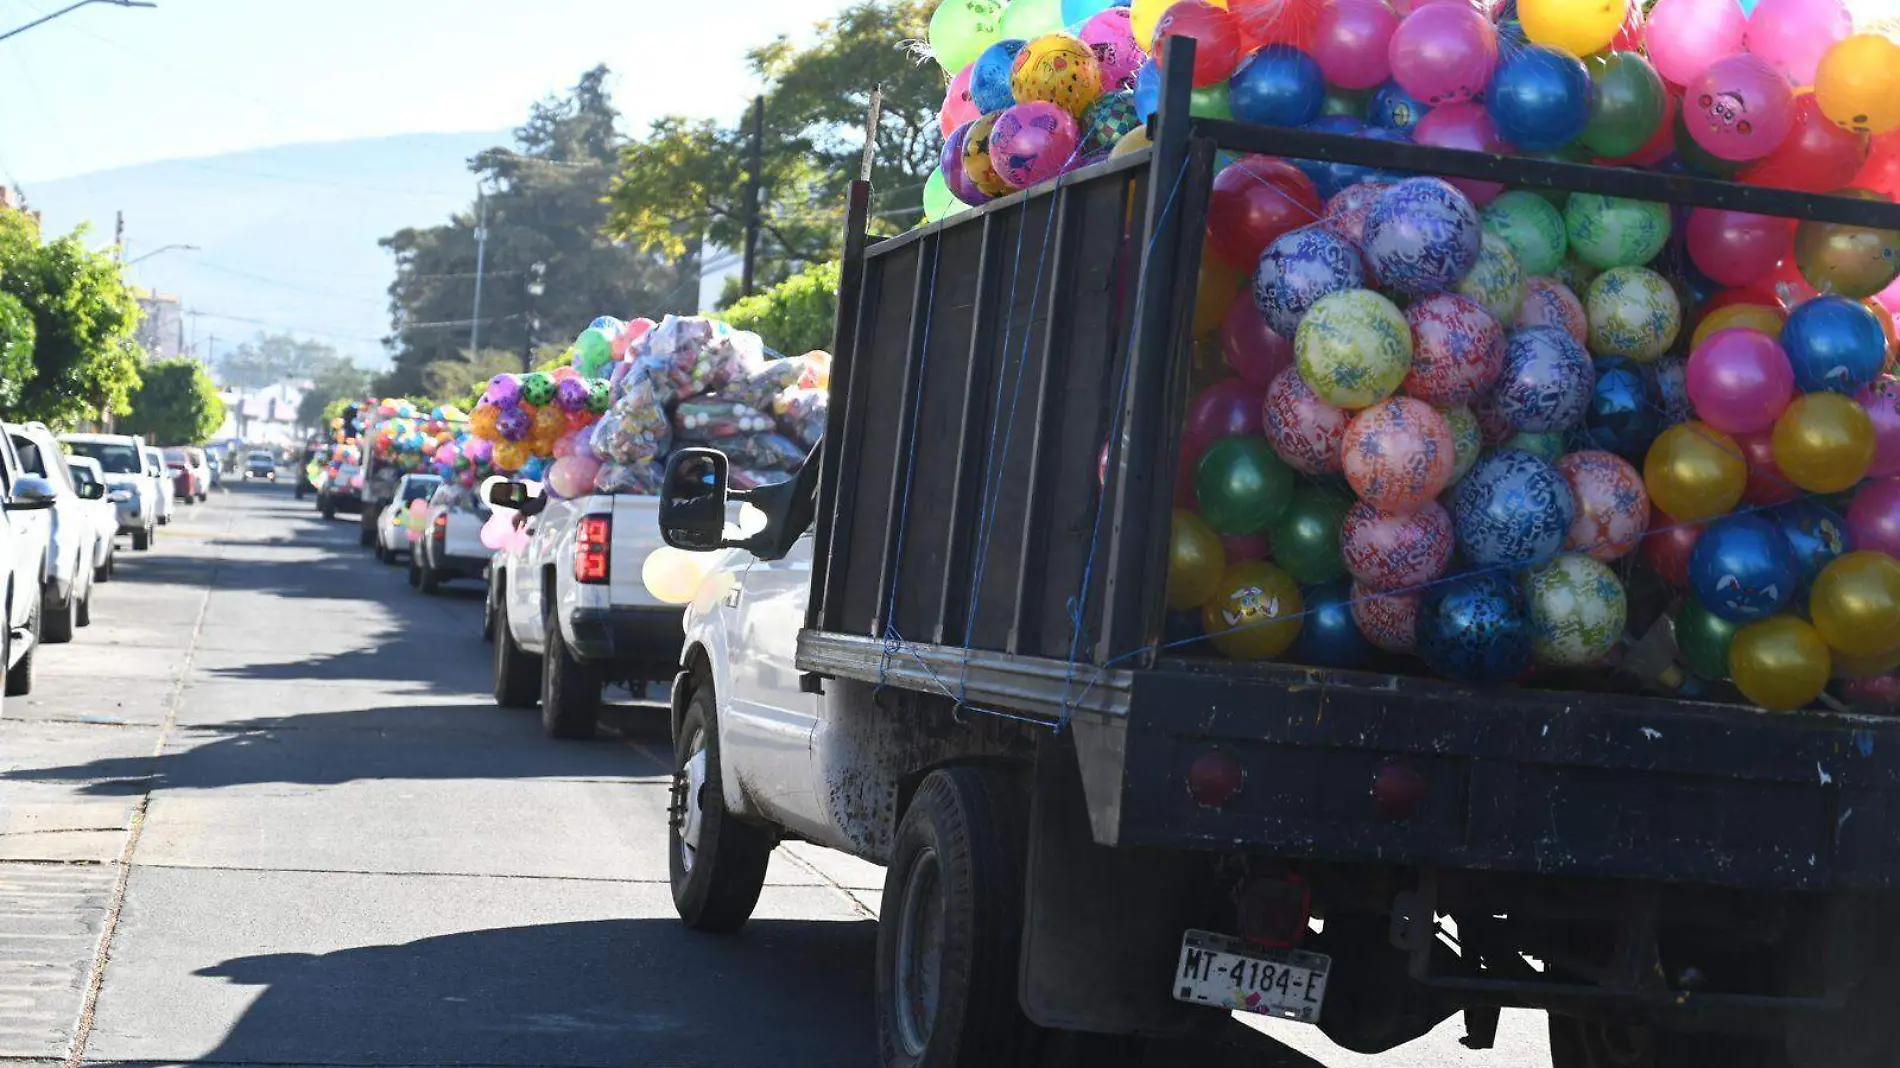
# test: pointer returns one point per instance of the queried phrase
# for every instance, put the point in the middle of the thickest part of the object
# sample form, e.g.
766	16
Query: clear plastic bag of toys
635	428
715	419
801	414
644	478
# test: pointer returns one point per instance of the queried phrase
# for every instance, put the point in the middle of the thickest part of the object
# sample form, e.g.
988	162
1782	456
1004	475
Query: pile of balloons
414	439
545	417
1449	420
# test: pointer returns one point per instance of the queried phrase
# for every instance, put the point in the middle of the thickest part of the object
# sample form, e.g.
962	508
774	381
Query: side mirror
693	500
30	493
92	491
508	495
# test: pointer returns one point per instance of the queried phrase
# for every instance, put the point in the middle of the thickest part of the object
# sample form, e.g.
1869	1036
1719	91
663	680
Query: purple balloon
479	450
1469	126
1231	407
572	395
504	391
1033	143
1873	520
1423	236
1882	402
1299	269
1548	381
1444	53
515	424
954	175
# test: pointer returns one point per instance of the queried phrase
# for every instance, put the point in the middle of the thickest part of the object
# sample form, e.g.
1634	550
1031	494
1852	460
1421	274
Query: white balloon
672	575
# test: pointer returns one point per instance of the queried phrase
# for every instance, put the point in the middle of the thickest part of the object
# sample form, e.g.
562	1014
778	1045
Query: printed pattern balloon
1423	237
1475	629
1388	620
1633	312
1398	454
1304	430
1299	269
1548	302
1742	569
1547	381
1496	281
1612	505
1457	350
1389	551
1577	611
1353	348
1512	510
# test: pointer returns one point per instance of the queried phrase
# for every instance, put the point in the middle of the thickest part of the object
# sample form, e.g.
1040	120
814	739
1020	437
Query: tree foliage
272	359
177	404
795	316
16	349
543	205
687	180
85	361
335	379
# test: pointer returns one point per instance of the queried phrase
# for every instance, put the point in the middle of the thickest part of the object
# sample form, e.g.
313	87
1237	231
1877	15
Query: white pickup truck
568	611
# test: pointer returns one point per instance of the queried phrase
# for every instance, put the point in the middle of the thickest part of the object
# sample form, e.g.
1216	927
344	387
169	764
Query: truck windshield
418	489
113	459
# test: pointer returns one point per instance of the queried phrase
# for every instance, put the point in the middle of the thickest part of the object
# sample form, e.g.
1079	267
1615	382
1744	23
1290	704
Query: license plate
1228	973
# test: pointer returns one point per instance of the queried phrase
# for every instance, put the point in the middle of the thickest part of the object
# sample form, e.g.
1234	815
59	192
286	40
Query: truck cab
26	503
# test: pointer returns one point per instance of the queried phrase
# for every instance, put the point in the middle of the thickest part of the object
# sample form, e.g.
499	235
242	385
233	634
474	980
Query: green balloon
1241	486
1700	160
1306	536
593	351
1210	102
1703	639
1547	447
1607	232
939	202
1026	20
1532	227
961	29
1627	104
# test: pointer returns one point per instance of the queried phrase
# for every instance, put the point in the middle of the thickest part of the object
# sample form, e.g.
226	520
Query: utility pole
69	9
481	259
754	191
118	236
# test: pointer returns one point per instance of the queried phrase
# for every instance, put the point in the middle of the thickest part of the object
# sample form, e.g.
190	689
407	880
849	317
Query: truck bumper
472	567
643	642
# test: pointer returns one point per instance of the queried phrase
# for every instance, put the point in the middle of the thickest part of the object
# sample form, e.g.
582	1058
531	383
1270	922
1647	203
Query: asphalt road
263	811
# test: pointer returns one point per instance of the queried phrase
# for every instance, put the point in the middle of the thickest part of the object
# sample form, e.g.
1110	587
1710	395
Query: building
265	416
161	326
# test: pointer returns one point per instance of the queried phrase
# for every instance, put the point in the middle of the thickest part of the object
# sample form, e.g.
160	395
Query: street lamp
163	248
537	285
44	19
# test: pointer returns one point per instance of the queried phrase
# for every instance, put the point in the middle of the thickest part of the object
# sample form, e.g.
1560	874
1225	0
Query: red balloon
1255	200
1632	35
1244	547
1253	349
1667	546
1465	125
1736	248
1816	156
1215	32
1766	484
1882	171
1265	22
1228	408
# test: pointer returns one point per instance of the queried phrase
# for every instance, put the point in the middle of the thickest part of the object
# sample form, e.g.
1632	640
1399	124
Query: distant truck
955	666
567	609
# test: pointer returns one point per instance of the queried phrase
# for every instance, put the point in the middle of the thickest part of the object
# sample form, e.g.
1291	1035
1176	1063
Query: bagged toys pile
1508	433
632	391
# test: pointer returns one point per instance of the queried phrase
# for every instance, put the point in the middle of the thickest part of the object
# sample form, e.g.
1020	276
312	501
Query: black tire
415	574
716	884
1576	1043
365	534
570	687
960	851
142	539
20	676
517	671
431	581
107	571
83	614
488	609
326	508
58	621
300	491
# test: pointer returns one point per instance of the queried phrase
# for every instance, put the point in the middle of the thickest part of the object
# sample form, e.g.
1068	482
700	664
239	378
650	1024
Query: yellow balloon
1060	69
1579	27
1196	559
511	455
1133	141
1214	294
1824	442
1739	317
976	156
1143	16
1255	612
1695	472
1856	603
1780	663
1858	84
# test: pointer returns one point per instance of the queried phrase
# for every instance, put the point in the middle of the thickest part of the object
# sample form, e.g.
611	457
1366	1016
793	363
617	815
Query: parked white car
161	477
121	464
73	538
451	544
102	503
26	503
394	526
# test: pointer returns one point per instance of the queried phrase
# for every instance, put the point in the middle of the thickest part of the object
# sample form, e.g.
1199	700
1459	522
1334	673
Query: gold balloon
1695	472
1196	559
1255	612
1780	663
1853	261
1133	141
1739	317
1858	84
1856	603
1823	442
1214	294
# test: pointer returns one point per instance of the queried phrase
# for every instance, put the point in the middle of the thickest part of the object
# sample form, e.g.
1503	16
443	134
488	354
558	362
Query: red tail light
440	528
591	550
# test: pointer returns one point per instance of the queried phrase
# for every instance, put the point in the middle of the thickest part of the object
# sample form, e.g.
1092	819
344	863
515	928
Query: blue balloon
1816	535
1547	382
1835	344
1539	98
1277	86
1742	568
1396	109
1624	415
1512	510
1422	237
1076	12
1147	90
1298	269
989	77
1328	635
1475	629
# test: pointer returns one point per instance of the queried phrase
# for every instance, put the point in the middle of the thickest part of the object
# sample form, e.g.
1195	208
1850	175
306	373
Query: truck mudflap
1349	767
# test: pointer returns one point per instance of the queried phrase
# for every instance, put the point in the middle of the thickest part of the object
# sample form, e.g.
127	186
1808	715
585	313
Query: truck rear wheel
517	672
570	687
950	927
142	539
1576	1043
717	863
59	619
20	675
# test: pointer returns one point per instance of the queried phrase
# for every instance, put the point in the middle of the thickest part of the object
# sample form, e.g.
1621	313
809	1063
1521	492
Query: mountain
286	236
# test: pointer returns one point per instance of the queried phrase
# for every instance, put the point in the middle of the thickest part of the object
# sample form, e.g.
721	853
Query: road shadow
616	992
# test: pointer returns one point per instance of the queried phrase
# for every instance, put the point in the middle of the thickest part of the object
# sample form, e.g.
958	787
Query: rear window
113	459
418	489
176	456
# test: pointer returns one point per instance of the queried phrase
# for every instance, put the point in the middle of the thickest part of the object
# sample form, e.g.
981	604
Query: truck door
767	716
32	531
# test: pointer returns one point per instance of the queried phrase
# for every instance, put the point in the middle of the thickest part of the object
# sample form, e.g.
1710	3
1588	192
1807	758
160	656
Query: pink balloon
1444	53
1304	431
1457	350
1228	408
1352	42
1253	350
1793	35
1388	620
1548	302
1874	518
1388	551
1398	454
1881	399
1110	36
958	108
1740	109
1468	126
1740	381
495	531
1033	142
1612	504
1685	36
1736	248
573	476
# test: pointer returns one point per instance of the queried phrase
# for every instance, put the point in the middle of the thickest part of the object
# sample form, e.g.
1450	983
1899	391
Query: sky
107	87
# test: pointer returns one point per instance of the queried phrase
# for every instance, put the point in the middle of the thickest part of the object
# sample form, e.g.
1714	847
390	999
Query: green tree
686	180
544	205
177	403
333	379
16	349
85	361
795	316
270	359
